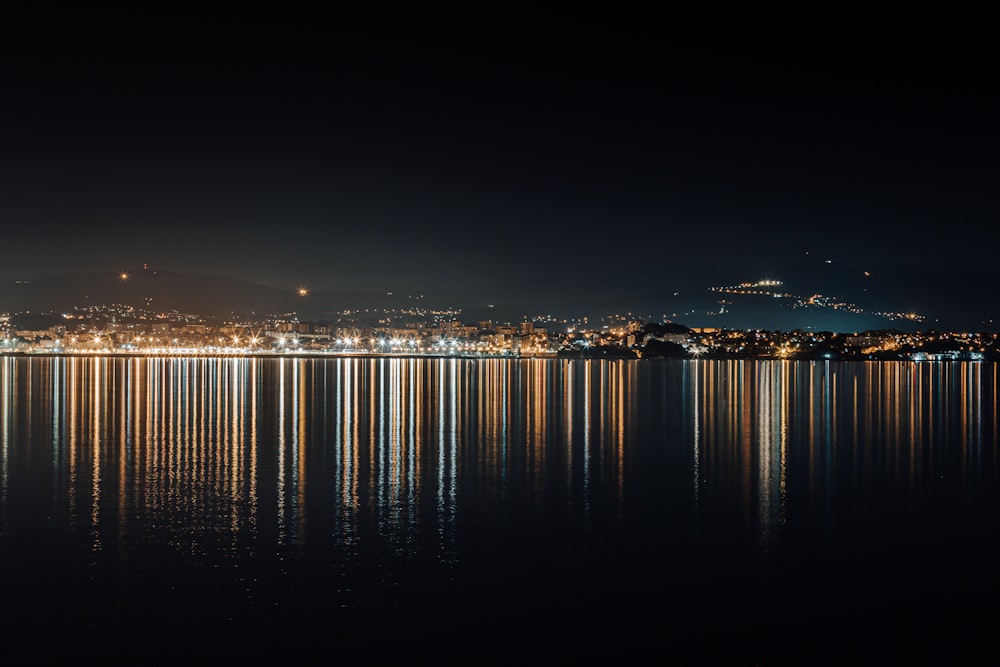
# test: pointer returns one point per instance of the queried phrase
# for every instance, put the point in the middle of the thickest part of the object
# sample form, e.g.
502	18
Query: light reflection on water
203	438
373	483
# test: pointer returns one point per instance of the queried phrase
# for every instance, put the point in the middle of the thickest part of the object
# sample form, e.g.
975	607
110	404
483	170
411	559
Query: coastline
188	354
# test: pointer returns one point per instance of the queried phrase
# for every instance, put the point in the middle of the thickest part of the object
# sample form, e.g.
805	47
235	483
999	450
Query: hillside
812	293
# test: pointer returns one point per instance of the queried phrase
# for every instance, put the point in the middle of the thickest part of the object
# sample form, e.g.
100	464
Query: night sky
420	151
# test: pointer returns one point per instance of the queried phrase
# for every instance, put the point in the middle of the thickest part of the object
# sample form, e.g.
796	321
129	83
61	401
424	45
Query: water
482	511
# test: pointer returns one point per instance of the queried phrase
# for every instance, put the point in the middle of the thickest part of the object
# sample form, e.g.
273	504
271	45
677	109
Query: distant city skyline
811	294
119	329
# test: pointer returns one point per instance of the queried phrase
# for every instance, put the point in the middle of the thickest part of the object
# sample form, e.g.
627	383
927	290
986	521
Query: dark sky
412	151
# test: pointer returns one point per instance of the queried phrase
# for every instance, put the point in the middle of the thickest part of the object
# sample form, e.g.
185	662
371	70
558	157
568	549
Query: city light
122	329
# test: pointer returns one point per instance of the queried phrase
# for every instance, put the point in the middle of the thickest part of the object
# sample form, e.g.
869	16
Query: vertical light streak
568	390
187	466
56	399
709	421
935	397
453	447
339	416
172	444
355	434
441	446
207	400
765	388
75	386
447	399
588	387
505	407
744	429
6	410
348	439
414	377
96	440
300	448
811	432
152	419
280	486
829	444
370	376
209	460
235	487
602	412
140	390
380	459
619	365
921	440
540	426
699	367
395	434
29	389
158	470
252	468
229	469
172	440
188	417
855	412
123	370
912	386
785	396
996	416
215	463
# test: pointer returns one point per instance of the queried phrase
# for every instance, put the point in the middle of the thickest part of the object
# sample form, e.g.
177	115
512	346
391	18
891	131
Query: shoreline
467	356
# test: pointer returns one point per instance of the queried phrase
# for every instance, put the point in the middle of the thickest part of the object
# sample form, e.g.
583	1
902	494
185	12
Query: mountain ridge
937	298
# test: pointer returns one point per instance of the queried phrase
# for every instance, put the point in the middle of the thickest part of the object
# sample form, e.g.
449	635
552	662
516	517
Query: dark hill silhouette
959	300
664	328
947	298
163	291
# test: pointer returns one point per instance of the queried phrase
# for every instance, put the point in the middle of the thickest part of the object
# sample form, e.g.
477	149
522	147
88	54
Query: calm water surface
480	511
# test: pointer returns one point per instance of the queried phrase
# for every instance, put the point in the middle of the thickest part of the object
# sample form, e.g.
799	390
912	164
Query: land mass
807	293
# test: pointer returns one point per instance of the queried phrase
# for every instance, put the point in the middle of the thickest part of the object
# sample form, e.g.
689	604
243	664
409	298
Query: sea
390	510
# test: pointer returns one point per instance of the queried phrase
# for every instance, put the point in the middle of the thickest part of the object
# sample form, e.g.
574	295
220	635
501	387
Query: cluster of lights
762	287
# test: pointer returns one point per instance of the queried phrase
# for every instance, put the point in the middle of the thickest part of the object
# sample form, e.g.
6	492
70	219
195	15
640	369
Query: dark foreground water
485	511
